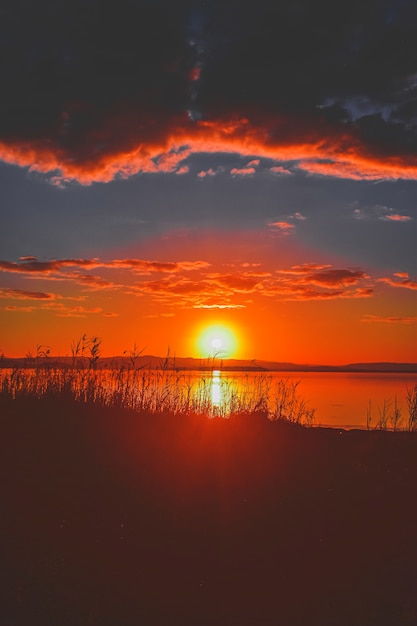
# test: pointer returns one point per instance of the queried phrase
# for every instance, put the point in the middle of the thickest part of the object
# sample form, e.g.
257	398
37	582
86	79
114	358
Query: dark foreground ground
111	519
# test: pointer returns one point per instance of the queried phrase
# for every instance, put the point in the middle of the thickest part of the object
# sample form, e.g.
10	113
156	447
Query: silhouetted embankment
117	518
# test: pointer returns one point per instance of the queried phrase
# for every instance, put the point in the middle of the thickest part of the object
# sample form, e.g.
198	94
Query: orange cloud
177	286
388	320
60	309
19	294
283	226
123	143
219	289
278	169
22	309
400	279
244	171
305	268
219	306
209	172
48	267
398	218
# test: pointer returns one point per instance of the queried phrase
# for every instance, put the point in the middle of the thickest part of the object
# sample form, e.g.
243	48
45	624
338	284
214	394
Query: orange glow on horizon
272	297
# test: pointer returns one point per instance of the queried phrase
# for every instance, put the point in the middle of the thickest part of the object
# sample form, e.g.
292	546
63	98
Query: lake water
342	399
338	399
345	400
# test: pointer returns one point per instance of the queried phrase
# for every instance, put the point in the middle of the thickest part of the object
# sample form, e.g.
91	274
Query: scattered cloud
395	217
336	277
59	309
20	294
191	284
305	268
22	309
378	319
379	212
282	171
299	216
243	171
139	265
286	224
219	306
282	226
204	173
400	279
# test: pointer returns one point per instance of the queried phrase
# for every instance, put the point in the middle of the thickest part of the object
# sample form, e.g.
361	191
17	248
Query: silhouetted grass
163	390
114	516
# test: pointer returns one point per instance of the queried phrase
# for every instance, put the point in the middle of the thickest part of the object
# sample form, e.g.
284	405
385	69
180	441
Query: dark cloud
93	91
48	267
20	294
336	277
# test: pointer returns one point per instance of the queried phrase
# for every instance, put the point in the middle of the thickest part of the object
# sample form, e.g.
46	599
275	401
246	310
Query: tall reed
161	390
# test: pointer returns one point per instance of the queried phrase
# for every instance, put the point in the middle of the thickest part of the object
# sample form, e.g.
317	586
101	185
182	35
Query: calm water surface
342	399
339	399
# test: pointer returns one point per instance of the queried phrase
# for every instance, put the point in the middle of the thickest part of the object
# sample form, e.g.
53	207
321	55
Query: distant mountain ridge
208	364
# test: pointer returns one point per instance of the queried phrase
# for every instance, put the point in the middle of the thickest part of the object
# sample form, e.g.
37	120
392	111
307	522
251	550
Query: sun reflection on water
216	389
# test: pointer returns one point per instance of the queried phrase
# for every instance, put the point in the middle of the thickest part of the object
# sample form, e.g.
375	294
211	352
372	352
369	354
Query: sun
216	343
216	340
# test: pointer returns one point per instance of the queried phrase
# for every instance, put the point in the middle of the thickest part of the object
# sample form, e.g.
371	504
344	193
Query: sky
194	176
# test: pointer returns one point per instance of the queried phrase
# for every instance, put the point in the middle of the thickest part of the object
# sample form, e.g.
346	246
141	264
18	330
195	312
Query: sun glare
217	340
216	343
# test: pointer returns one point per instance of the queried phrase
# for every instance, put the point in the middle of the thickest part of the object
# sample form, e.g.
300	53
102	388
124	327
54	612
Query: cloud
377	319
282	171
314	147
193	284
225	289
299	216
22	309
395	217
84	100
284	227
336	277
19	294
379	212
204	173
400	279
306	268
239	282
243	171
78	311
140	265
219	306
59	309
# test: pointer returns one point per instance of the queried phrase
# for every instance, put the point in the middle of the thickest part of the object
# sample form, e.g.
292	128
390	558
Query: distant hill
190	363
